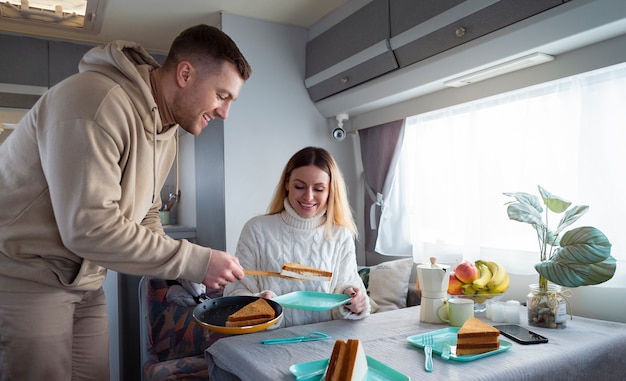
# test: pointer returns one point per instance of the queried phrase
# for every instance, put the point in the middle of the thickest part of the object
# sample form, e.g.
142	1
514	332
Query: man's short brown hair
208	47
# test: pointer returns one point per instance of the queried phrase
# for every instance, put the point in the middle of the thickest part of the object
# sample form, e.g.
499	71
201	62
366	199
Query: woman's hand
358	300
267	294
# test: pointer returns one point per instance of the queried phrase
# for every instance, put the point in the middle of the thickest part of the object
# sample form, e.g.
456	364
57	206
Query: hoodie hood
128	64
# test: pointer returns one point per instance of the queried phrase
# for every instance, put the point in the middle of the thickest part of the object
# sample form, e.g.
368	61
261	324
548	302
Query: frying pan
212	314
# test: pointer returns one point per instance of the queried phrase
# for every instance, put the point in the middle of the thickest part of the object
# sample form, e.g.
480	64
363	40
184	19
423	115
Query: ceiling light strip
500	69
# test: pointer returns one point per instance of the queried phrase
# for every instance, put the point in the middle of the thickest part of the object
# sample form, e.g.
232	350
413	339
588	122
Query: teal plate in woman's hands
311	300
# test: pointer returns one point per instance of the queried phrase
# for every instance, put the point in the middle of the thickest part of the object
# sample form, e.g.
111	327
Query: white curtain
569	136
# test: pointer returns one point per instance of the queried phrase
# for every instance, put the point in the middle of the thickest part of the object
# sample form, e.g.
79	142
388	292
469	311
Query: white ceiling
155	23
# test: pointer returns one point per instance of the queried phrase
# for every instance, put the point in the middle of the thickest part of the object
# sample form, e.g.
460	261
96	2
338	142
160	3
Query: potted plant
578	257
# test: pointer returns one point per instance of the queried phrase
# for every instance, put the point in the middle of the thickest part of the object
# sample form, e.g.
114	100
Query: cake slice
347	362
297	270
476	336
257	312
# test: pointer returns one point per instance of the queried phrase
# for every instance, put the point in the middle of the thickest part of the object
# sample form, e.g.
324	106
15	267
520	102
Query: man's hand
223	268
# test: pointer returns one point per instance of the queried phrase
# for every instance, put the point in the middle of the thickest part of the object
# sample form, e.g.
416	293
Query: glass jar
547	309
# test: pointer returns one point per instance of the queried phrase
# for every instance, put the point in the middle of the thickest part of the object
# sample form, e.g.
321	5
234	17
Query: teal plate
376	371
311	300
447	336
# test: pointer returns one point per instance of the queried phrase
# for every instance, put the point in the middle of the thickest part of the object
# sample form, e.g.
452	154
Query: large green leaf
584	258
584	245
553	202
570	274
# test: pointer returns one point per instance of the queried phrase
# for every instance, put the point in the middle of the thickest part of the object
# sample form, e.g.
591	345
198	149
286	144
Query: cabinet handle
344	80
460	31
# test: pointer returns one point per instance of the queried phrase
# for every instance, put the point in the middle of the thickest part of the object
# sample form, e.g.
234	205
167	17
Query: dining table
586	349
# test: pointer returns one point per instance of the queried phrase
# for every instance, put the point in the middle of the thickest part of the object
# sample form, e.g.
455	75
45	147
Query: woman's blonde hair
338	210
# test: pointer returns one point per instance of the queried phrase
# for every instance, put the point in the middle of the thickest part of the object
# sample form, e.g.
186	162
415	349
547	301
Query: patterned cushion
175	342
186	368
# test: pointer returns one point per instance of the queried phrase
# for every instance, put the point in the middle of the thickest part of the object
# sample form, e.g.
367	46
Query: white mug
456	311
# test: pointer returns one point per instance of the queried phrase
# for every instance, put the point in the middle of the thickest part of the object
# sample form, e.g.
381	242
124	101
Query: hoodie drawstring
177	191
154	136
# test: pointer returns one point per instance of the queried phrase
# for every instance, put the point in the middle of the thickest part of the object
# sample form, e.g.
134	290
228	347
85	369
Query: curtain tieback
379	202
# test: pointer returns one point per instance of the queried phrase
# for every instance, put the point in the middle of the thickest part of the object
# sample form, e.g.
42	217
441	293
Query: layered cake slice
476	337
347	362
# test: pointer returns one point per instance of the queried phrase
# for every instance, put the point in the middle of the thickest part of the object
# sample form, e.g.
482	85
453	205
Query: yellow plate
212	314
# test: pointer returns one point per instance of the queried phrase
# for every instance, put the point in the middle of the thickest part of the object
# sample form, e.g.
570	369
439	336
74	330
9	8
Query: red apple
454	285
466	271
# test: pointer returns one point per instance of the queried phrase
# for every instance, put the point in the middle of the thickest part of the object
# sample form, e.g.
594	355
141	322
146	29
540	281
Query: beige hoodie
80	178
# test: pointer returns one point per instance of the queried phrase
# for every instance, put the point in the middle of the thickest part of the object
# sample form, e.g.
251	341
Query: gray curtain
380	146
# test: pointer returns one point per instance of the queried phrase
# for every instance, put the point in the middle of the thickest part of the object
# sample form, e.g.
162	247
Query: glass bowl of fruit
480	281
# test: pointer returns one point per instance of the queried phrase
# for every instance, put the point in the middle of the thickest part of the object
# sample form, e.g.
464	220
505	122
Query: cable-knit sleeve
348	276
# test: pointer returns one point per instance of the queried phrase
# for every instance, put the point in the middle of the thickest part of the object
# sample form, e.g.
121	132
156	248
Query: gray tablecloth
586	350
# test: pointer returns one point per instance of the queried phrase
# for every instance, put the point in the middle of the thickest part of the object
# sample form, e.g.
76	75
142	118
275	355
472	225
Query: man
81	176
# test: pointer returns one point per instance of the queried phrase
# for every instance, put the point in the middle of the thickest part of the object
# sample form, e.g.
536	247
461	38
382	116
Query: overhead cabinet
39	63
35	62
385	35
452	23
351	52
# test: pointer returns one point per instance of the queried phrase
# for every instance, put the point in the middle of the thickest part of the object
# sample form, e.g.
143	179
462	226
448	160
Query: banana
467	289
502	286
498	274
483	279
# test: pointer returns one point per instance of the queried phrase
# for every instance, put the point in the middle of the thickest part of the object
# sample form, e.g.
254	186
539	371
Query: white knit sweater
269	241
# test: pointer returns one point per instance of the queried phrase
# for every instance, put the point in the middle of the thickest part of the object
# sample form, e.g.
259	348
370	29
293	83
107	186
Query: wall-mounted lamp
500	69
339	133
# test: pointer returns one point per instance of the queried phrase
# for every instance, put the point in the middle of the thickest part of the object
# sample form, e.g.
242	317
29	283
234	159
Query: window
81	15
568	136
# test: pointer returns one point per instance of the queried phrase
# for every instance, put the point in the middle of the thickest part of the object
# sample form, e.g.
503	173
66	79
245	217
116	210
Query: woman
309	222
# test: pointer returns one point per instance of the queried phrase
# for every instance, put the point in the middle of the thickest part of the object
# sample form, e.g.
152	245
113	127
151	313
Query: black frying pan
212	314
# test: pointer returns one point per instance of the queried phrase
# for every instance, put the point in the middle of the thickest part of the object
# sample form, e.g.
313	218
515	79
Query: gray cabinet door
64	59
474	25
25	63
351	52
24	60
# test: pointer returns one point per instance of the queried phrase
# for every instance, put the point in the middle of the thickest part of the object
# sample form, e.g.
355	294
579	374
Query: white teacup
456	311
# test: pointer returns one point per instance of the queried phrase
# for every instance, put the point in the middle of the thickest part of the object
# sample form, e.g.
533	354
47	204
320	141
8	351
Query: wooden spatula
270	273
